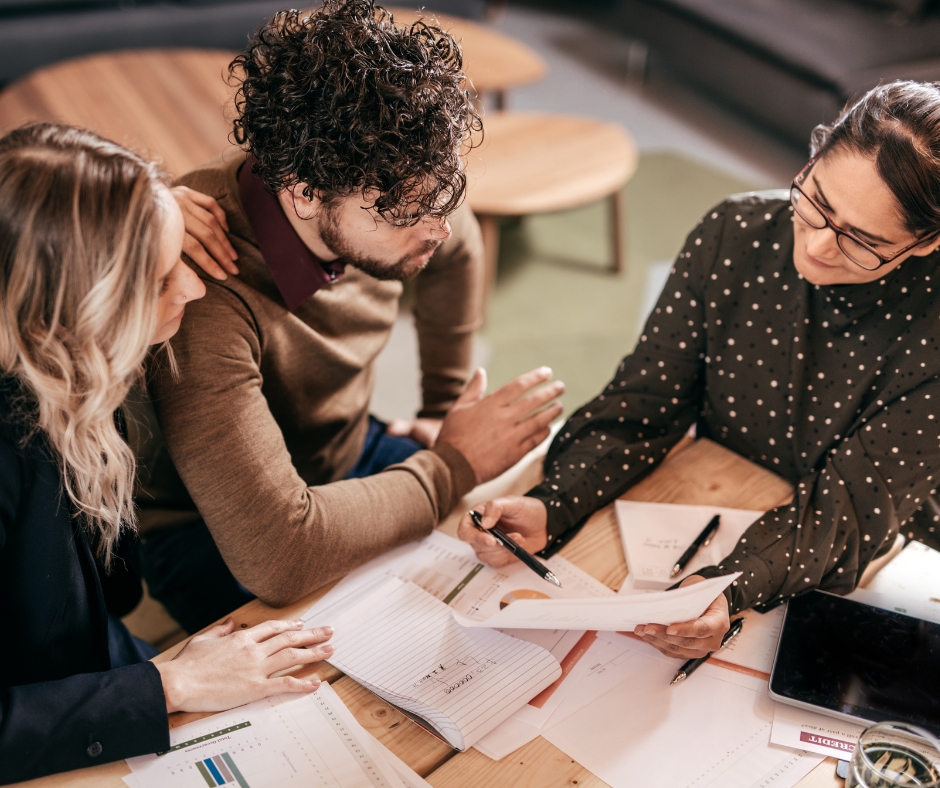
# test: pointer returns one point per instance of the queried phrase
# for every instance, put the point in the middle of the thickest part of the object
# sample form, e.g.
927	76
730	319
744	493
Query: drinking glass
895	754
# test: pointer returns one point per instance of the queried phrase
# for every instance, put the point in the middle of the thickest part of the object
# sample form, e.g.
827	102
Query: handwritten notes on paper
655	535
404	645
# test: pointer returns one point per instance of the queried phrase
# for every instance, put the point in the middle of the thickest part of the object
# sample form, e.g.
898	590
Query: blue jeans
185	571
125	648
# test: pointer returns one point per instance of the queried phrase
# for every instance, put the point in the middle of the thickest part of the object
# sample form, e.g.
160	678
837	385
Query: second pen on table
700	541
693	664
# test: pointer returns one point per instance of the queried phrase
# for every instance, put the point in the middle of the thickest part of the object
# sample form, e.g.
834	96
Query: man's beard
336	241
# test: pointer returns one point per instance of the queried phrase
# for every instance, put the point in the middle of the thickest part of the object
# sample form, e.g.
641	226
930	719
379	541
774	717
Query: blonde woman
90	277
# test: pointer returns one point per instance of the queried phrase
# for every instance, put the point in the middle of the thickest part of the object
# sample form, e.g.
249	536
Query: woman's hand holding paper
690	639
522	519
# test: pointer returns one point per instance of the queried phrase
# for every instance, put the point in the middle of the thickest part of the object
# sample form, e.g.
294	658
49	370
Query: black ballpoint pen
700	541
521	553
690	667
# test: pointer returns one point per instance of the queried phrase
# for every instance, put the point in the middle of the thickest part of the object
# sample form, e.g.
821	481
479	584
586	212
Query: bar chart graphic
306	741
221	770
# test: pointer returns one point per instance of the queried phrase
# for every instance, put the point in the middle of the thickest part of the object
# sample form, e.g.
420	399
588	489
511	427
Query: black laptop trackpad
860	660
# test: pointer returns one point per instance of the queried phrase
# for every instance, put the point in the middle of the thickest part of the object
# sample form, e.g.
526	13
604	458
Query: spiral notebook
404	645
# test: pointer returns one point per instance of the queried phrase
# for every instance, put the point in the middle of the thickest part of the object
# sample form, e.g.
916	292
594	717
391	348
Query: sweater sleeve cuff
436	411
463	477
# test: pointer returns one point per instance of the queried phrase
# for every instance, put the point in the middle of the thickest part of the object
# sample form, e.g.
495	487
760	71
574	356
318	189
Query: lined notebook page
403	644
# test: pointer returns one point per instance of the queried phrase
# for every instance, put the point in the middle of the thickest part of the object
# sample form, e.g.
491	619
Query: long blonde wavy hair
80	224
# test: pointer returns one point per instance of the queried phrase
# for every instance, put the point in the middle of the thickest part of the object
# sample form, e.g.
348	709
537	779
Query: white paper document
404	645
655	535
309	740
711	731
449	570
612	614
756	645
526	723
908	584
819	733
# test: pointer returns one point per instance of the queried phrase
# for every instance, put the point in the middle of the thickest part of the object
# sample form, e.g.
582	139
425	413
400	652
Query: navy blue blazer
62	706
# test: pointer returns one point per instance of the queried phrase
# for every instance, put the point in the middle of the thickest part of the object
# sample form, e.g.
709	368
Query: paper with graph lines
310	740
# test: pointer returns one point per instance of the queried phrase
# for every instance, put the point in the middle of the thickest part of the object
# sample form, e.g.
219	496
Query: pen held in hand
693	664
701	540
517	550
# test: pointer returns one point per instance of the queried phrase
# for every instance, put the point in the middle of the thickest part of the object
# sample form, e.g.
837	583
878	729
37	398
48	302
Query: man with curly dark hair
350	181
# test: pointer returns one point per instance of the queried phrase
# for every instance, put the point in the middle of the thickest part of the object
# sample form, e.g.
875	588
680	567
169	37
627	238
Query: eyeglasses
853	247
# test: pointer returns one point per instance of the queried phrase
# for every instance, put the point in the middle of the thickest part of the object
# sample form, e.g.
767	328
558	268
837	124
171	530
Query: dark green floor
554	302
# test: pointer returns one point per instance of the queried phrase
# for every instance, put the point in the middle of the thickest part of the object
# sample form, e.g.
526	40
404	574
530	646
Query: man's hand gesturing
494	432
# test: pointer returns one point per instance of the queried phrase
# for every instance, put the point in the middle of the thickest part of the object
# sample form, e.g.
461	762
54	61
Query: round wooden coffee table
493	62
532	162
171	104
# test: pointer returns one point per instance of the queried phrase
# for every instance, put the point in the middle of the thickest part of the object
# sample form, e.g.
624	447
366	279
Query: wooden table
169	104
696	473
176	104
532	162
493	62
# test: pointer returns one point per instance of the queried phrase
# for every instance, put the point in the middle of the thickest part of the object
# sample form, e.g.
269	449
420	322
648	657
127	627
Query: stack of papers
627	725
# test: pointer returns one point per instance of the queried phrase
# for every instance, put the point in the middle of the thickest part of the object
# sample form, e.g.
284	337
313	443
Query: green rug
556	304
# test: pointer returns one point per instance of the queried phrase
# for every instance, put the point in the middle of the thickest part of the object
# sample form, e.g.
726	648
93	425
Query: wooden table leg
618	231
489	226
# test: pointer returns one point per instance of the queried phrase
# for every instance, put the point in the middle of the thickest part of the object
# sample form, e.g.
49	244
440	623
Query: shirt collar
297	272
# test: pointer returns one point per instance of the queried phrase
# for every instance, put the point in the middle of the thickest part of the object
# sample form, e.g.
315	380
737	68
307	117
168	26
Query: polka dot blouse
834	388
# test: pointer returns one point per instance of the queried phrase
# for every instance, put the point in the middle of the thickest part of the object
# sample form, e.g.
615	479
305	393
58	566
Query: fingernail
297	622
671	631
326	648
547	371
328	631
313	683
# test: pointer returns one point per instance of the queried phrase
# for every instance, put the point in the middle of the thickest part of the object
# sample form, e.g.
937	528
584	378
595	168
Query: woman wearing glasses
801	331
90	277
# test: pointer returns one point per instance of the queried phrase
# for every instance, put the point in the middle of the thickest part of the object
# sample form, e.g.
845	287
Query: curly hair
345	101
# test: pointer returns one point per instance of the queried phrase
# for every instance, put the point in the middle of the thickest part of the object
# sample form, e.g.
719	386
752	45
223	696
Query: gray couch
35	33
789	64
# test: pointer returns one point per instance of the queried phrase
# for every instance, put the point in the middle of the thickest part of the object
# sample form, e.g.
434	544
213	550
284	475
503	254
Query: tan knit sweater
271	409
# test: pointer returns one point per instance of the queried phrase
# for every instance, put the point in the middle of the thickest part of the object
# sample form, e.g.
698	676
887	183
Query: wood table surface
174	105
695	473
493	62
536	162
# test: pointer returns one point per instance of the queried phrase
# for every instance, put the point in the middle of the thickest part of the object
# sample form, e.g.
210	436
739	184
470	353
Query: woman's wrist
172	686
